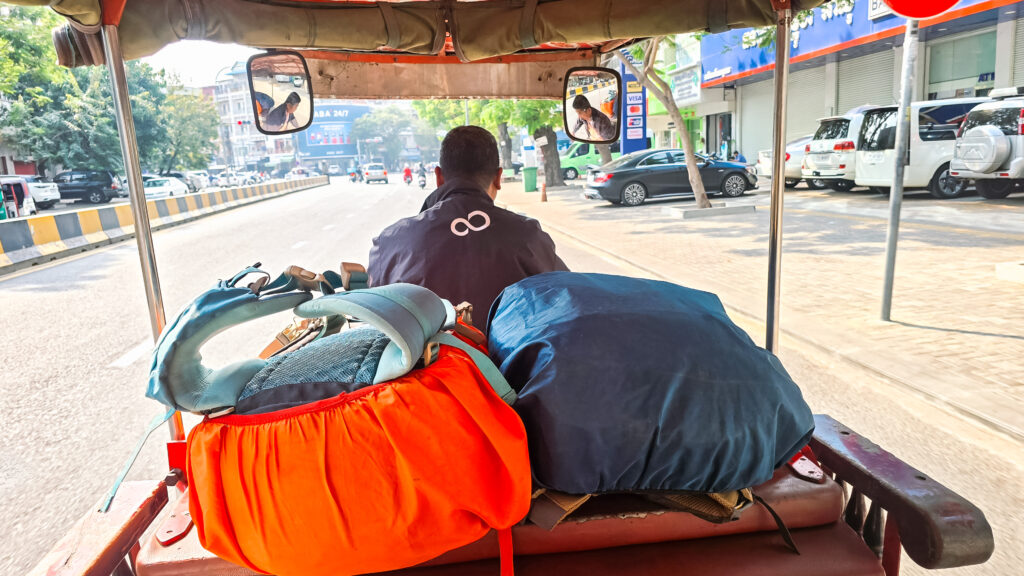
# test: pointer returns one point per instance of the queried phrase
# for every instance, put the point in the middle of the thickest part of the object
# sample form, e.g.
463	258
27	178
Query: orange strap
505	552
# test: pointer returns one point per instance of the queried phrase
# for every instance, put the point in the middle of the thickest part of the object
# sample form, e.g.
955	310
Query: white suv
832	154
990	148
933	128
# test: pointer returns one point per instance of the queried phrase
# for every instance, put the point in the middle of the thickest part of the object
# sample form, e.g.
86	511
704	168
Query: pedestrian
598	125
282	117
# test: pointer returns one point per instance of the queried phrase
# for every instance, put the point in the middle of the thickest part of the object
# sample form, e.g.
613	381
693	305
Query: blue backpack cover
628	384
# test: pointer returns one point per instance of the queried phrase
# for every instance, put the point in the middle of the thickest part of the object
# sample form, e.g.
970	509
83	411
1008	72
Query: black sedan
633	178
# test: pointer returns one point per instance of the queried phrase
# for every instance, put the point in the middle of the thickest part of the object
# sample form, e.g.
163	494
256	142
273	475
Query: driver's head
471	153
582	106
292	102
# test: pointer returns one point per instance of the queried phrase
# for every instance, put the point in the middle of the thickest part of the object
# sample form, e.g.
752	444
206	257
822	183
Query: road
77	337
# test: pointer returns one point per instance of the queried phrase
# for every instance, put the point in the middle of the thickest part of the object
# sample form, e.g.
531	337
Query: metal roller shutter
806	102
1018	55
755	118
867	80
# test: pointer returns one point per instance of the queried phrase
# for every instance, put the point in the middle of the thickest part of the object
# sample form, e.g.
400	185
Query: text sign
634	129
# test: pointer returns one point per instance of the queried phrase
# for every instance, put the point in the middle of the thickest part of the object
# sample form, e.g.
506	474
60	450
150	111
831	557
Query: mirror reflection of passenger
597	124
461	245
283	117
264	103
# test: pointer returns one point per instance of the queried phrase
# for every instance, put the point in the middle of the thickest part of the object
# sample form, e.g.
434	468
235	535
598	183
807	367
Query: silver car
990	148
375	173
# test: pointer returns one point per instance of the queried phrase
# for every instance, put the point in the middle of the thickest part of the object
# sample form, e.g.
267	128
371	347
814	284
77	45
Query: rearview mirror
591	107
279	86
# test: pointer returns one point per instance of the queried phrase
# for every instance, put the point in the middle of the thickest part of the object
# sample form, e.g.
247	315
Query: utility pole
465	107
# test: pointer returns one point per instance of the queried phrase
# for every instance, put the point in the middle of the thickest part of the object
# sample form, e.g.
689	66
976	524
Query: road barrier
28	241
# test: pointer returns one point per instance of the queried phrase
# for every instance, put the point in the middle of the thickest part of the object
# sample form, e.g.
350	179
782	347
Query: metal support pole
465	107
140	212
782	43
902	144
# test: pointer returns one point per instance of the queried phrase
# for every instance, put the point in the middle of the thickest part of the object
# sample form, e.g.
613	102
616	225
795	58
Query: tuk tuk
851	506
17	200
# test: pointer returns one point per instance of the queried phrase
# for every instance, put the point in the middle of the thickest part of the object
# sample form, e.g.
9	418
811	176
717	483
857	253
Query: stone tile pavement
957	335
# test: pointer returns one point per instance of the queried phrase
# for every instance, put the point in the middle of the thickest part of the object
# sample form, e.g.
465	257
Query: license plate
874	157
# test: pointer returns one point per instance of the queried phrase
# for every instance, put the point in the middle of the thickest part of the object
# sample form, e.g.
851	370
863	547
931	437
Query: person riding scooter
407	175
422	176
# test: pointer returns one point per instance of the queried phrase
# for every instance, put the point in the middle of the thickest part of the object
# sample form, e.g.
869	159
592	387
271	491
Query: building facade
848	53
242	146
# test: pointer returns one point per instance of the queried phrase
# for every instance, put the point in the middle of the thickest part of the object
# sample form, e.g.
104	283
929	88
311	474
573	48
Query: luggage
627	384
392	467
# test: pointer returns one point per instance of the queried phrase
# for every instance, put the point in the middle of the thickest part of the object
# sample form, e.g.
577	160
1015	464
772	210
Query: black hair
580	102
293	98
469	152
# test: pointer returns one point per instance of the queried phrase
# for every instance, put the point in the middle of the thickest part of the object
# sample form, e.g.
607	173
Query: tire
45	205
734	186
816	184
841	185
634	194
879	190
945	187
97	197
571	174
994	189
792	182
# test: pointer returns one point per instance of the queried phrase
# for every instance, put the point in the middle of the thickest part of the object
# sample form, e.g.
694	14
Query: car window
656	159
62	177
1006	119
623	160
879	130
582	150
832	129
680	158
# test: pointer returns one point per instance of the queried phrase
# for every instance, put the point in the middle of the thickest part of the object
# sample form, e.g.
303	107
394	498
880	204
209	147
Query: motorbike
423	182
353	176
408	179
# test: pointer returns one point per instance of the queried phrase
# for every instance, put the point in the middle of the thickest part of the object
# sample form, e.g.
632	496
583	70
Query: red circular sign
920	9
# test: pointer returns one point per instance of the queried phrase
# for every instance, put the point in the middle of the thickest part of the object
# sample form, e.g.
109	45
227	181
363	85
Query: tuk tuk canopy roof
468	30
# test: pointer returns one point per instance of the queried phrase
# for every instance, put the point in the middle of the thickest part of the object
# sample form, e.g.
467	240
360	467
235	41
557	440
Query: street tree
191	124
647	54
495	117
539	118
390	124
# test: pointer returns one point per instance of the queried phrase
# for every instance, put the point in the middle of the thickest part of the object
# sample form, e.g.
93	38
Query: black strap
526	37
778	522
391	23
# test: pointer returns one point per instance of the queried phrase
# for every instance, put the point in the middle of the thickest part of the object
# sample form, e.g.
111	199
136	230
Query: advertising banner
634	121
329	136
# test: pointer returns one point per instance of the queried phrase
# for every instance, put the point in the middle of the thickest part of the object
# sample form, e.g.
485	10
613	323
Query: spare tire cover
983	149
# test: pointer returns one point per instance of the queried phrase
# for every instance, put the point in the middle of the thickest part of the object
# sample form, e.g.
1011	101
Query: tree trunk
505	146
552	162
606	153
663	93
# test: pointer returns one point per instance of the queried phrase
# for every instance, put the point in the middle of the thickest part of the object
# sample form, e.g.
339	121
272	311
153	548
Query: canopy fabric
478	29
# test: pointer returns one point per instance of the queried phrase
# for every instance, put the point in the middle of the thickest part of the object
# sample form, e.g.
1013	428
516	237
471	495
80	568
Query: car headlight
752	171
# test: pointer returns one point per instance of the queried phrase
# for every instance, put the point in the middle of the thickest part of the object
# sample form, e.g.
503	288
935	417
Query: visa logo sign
634	98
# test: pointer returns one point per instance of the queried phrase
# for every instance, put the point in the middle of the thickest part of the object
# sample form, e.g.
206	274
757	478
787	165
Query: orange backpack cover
380	479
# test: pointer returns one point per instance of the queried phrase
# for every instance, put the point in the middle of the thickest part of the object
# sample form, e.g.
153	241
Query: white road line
328	227
299	244
129	357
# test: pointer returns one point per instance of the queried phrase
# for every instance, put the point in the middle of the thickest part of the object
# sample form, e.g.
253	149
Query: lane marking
129	357
328	227
299	244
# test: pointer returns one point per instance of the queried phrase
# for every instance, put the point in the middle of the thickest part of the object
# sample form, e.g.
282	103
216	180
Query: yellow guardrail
36	239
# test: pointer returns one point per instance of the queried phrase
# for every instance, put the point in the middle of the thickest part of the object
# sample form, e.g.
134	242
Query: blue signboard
833	26
633	111
330	134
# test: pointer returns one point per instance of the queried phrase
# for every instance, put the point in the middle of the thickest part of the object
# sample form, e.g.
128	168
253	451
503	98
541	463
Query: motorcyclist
407	174
461	245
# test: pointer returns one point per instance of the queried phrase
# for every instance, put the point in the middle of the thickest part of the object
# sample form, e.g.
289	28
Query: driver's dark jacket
462	247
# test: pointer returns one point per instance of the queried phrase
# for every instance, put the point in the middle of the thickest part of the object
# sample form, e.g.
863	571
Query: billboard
634	128
330	134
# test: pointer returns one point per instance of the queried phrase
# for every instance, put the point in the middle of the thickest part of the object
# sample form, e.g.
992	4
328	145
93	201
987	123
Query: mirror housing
591	109
279	90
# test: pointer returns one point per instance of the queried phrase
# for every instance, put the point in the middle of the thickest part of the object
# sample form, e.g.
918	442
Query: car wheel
943	186
45	205
571	174
841	185
734	185
817	184
96	197
994	189
792	182
879	190
634	194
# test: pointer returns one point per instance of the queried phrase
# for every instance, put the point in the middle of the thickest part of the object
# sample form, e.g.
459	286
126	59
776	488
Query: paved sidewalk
957	335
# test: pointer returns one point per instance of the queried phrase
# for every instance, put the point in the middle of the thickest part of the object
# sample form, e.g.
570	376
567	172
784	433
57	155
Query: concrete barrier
28	241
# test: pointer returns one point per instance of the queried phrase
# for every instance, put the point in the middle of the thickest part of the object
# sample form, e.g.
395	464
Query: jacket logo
468	224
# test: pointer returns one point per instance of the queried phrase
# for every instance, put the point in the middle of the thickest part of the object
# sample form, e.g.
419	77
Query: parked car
44	193
375	173
197	180
15	197
164	186
990	148
333	170
94	186
795	152
297	173
228	179
633	178
933	129
577	157
831	155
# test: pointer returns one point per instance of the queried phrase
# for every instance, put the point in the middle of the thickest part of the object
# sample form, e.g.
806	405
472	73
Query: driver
598	125
283	116
461	245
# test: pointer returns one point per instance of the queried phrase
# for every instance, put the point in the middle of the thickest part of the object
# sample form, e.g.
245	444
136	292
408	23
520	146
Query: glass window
1006	119
942	122
658	159
832	130
583	150
879	130
962	67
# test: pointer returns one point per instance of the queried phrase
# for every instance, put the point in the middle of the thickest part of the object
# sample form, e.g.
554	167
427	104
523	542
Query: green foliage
388	123
191	123
536	114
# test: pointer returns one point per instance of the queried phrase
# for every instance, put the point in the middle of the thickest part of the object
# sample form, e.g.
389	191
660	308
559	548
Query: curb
26	242
936	399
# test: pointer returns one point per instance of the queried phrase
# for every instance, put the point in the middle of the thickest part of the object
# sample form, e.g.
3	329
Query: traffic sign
920	9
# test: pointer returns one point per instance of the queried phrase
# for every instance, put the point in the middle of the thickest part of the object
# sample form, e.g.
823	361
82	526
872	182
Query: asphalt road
77	340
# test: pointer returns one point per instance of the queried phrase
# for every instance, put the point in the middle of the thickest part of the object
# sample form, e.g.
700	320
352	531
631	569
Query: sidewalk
957	335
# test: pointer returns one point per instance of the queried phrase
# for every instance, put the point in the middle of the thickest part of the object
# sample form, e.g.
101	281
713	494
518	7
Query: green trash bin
530	179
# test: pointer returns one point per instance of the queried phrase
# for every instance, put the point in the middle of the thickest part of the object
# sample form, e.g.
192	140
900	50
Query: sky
196	63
